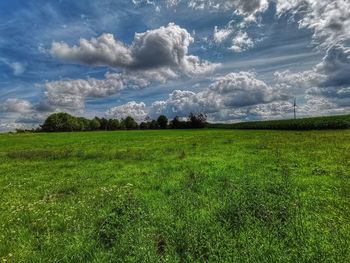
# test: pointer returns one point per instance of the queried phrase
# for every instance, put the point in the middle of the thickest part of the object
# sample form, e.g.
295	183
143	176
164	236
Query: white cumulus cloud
164	47
138	111
15	105
329	19
230	92
71	94
221	35
241	42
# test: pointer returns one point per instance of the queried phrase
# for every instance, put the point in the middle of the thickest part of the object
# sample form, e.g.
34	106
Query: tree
51	123
94	124
144	125
154	125
61	122
113	124
84	124
129	123
103	124
175	123
162	121
197	120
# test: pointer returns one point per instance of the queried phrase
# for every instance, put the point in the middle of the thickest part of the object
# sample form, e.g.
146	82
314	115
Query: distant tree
162	121
153	125
113	124
175	123
61	122
103	124
51	123
94	124
196	121
144	125
83	124
129	123
20	130
122	124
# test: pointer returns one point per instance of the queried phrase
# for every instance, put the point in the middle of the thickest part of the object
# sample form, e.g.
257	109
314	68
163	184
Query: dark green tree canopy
113	124
197	120
129	123
162	121
61	122
64	122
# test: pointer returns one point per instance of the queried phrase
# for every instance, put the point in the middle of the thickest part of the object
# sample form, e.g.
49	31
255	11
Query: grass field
175	196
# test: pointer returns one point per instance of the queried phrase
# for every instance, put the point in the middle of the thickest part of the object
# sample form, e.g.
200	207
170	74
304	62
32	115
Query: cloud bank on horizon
231	59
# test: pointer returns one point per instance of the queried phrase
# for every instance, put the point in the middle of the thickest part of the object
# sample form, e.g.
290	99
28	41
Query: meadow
204	195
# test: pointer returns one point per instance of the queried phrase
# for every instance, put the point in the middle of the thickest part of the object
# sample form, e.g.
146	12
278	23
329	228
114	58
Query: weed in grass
182	155
193	181
228	141
124	210
161	245
60	193
319	172
40	154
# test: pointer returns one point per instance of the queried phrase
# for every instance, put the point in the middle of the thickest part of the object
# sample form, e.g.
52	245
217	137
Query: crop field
313	123
175	196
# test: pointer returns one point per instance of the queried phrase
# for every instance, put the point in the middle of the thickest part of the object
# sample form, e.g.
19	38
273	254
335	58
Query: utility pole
295	105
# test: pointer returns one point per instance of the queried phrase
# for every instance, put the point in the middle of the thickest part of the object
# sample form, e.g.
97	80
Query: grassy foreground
175	196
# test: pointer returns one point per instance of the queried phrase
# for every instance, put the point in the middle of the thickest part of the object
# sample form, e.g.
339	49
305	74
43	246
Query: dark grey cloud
336	66
334	85
329	79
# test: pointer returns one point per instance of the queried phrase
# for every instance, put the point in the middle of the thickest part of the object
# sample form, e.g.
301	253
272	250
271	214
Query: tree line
64	122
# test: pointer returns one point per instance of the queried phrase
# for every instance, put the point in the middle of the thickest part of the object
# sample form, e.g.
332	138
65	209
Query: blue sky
226	58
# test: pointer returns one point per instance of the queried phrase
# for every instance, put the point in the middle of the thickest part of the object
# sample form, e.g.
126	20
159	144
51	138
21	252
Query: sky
234	60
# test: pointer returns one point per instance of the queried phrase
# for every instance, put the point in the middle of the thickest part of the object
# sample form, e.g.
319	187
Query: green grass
175	196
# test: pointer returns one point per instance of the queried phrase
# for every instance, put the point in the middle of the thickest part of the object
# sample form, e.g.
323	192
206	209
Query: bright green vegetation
175	196
315	123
